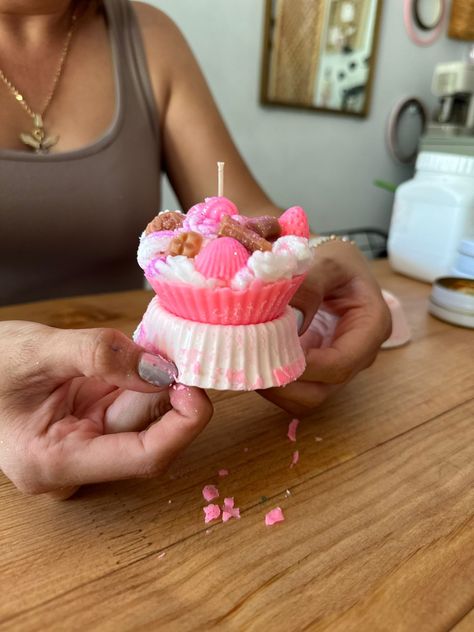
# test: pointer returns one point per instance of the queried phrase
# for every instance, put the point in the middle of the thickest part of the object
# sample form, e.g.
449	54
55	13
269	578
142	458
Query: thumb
111	356
57	355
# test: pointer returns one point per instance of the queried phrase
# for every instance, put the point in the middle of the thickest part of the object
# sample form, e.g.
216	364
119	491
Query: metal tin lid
452	299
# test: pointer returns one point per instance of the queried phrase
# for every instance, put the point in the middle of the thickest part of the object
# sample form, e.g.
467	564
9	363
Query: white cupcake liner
225	357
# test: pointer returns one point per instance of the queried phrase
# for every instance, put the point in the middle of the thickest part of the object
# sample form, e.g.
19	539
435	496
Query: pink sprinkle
161	555
229	511
210	492
223	472
296	458
211	512
294	423
273	516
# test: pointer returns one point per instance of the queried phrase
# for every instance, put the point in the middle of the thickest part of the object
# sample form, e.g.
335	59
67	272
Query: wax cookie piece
246	236
266	226
187	244
169	220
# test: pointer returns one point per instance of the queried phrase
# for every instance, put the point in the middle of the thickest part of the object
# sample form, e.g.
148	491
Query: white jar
432	213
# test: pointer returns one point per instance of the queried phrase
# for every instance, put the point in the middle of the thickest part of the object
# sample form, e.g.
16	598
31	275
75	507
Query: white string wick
220	179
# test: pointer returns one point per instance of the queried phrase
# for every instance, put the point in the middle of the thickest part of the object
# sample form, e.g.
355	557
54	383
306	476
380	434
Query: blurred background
323	161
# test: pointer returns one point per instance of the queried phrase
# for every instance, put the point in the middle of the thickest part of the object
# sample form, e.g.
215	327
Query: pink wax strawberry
294	222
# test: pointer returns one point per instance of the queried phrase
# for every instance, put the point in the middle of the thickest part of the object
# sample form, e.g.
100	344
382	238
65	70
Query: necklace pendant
37	138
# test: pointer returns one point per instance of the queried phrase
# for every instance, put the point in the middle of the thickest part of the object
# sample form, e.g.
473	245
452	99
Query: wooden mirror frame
265	70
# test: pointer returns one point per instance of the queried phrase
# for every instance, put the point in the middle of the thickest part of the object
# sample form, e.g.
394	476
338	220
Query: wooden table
378	532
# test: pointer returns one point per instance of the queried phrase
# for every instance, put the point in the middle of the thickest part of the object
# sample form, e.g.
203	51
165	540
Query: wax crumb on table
229	511
274	516
210	492
292	429
318	439
287	493
296	458
211	512
223	472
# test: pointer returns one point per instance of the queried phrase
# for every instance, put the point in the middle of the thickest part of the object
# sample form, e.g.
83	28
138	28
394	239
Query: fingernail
156	370
299	317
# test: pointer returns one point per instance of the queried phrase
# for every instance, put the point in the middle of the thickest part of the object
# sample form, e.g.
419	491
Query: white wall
323	162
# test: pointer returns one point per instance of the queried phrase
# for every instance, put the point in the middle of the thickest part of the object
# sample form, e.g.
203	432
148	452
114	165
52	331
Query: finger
106	354
353	348
135	411
299	398
132	454
63	493
307	301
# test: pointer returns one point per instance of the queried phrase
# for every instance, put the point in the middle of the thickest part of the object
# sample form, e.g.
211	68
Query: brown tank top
69	222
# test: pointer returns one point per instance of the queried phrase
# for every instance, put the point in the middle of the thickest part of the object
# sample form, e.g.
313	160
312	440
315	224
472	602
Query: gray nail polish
299	317
156	370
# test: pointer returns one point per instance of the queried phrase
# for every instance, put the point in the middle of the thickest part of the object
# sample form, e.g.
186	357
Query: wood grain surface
379	530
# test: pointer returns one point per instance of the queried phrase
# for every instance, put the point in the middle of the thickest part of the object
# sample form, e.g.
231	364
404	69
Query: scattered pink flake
273	516
210	492
229	511
296	458
318	439
161	555
292	429
211	512
223	472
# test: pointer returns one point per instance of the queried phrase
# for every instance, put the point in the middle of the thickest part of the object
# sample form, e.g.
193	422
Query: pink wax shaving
223	472
294	423
211	512
274	516
296	458
210	492
229	511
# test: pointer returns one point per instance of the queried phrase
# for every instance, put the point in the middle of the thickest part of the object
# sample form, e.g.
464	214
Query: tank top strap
131	61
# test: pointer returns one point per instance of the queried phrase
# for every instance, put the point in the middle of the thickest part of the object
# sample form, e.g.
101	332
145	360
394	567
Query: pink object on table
293	425
229	511
321	331
211	512
296	458
274	516
210	492
400	331
221	259
223	472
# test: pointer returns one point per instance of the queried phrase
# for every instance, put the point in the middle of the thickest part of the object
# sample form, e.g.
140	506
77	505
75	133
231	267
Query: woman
110	95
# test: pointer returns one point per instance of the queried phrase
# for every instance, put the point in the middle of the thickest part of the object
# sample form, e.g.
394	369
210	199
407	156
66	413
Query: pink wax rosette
223	283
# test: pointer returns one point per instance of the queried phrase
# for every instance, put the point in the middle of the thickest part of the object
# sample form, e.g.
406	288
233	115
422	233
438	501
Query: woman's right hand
80	406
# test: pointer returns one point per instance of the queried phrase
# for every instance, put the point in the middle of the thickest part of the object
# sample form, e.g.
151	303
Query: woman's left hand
339	283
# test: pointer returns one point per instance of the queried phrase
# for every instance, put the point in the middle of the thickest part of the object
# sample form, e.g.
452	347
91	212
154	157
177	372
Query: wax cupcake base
225	357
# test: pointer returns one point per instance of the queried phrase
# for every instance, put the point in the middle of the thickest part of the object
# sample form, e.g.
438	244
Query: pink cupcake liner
225	357
259	303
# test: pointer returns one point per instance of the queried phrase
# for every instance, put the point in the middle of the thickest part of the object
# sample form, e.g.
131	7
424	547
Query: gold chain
17	94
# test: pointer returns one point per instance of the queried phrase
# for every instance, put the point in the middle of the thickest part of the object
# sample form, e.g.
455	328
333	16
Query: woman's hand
75	408
347	333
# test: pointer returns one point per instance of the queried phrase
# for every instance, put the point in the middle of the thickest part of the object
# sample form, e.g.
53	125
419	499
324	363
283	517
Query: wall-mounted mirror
320	54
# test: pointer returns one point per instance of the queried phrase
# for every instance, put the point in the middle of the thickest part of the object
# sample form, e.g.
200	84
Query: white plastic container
432	213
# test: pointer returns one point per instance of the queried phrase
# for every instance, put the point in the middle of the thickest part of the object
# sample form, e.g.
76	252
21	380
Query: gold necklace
38	139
